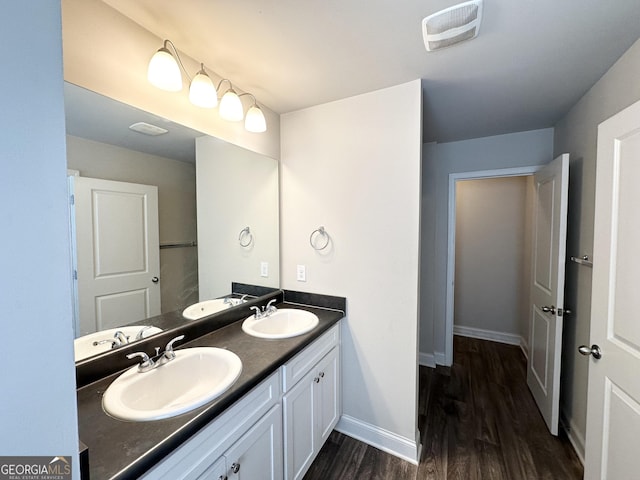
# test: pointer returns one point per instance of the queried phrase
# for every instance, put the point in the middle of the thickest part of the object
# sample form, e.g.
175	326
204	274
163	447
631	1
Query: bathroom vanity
287	395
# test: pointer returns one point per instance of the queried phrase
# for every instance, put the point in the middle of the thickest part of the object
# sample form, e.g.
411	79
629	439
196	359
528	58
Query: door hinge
72	199
75	274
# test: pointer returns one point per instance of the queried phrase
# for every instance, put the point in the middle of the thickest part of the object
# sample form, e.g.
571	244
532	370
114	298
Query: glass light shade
163	71
202	92
231	107
255	121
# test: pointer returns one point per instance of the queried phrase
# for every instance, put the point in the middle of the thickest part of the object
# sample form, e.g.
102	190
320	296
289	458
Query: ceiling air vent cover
452	25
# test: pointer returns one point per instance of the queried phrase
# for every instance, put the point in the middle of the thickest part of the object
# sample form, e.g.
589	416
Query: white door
613	407
117	251
547	287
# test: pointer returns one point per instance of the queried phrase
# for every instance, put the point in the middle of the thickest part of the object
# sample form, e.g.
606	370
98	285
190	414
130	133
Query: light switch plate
301	273
264	269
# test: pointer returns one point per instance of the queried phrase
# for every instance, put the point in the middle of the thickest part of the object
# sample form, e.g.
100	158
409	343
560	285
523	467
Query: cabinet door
215	471
328	405
299	427
258	453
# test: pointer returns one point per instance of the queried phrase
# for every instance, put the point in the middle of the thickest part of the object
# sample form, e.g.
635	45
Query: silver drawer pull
235	467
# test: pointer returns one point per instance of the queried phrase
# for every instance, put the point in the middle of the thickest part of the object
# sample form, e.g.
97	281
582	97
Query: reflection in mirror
144	272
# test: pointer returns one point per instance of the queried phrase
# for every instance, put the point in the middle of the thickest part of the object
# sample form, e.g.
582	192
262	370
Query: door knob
593	350
155	279
235	468
551	309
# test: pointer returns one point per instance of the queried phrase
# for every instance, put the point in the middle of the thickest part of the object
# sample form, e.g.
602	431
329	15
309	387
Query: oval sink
209	307
196	376
284	323
84	347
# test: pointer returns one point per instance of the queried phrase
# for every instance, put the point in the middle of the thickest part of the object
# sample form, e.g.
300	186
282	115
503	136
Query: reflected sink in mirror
284	323
194	377
102	341
209	307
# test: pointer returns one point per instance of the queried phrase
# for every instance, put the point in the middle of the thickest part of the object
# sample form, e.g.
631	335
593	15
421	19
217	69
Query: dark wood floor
478	421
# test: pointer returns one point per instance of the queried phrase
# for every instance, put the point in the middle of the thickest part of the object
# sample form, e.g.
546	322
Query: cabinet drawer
298	366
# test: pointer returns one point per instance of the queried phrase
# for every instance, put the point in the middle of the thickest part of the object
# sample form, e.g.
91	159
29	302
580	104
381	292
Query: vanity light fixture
164	73
202	92
254	121
230	105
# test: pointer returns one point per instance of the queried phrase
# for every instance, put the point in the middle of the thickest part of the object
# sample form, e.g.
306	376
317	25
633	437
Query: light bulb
255	121
163	71
202	93
231	107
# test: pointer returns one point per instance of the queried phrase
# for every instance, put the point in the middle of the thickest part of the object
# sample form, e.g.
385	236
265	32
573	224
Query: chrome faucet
159	359
271	309
140	334
266	311
169	354
119	339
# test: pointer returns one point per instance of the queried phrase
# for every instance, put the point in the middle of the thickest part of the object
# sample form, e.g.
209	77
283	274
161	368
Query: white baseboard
427	359
387	441
481	333
575	436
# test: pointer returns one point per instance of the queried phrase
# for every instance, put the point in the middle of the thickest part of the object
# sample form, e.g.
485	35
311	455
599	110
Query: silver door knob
155	279
235	468
593	350
551	309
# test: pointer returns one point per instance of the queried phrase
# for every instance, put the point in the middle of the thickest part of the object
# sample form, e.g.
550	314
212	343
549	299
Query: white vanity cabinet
311	402
297	406
248	434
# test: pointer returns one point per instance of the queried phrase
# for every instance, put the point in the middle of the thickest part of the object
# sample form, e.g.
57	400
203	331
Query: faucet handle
257	312
140	334
169	354
145	364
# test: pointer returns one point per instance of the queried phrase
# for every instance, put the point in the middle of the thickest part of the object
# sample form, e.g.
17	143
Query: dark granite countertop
125	450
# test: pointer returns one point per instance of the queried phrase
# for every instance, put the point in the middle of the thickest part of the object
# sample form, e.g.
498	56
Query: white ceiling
531	62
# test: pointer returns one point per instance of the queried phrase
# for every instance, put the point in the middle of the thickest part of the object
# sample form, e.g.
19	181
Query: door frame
451	239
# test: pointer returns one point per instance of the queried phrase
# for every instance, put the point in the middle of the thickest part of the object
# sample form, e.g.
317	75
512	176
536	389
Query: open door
613	407
547	288
117	253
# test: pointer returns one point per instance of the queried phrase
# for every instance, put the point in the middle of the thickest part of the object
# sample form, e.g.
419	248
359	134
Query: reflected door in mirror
117	253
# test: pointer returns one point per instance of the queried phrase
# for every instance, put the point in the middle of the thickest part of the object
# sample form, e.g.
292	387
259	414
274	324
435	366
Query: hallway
478	421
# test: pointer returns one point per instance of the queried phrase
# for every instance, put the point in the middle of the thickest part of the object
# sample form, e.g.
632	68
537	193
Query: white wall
236	188
353	166
176	182
491	256
576	133
38	408
108	53
439	160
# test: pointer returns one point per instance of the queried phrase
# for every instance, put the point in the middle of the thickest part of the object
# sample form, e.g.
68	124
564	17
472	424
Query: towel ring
247	235
319	232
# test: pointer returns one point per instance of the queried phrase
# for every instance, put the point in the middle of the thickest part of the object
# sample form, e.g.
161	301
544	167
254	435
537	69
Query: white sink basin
209	307
84	348
196	376
284	323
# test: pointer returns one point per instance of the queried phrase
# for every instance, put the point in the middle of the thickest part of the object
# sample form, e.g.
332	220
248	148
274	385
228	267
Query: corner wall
353	166
38	408
577	134
439	160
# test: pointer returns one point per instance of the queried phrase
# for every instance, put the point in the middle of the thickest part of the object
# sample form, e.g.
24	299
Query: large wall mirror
181	213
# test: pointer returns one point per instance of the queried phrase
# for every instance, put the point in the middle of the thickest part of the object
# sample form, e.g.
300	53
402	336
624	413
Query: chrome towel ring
246	237
316	235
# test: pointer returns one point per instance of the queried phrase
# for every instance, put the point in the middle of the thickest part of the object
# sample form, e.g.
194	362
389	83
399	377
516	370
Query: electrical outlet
264	269
301	273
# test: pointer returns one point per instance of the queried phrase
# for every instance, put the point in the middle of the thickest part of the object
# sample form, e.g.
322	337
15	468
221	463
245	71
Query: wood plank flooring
478	421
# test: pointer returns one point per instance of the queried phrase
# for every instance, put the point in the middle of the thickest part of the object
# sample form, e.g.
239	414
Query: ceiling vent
148	129
452	25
